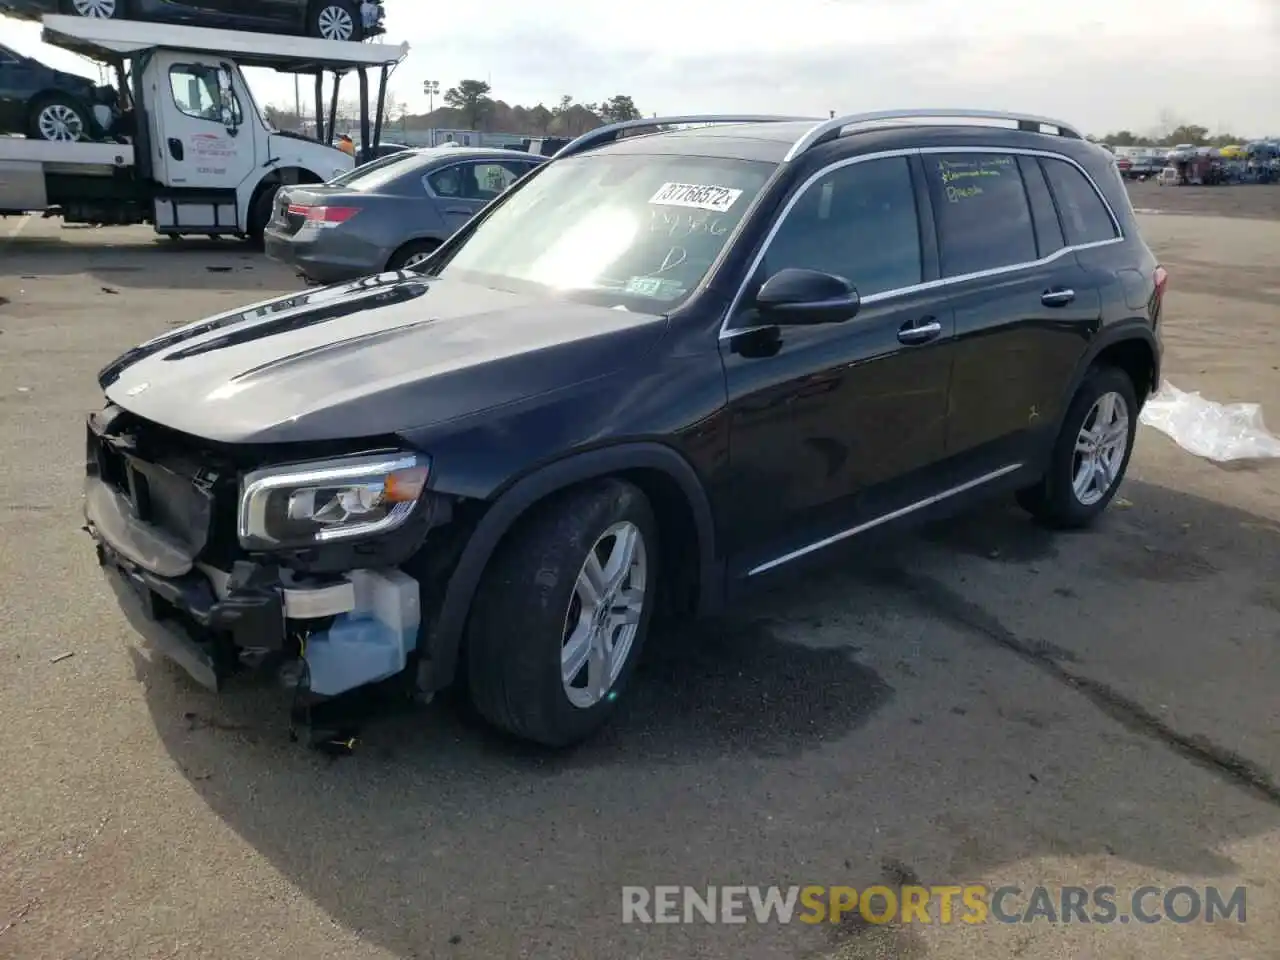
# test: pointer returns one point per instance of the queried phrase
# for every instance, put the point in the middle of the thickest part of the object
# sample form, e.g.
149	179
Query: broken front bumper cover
175	605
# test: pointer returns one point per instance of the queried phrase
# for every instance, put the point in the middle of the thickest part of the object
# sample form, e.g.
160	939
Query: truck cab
194	153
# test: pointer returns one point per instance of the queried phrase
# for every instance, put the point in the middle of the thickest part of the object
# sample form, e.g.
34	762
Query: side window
1084	216
455	182
493	179
196	92
981	208
859	222
1048	227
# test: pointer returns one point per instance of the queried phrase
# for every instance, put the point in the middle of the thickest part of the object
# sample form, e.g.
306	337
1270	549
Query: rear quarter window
982	212
1084	216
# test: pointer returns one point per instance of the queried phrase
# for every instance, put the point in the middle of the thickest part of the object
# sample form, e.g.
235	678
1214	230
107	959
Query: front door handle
1057	298
175	148
919	332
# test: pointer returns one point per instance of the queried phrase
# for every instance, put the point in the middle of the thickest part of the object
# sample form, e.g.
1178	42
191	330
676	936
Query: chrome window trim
884	518
726	333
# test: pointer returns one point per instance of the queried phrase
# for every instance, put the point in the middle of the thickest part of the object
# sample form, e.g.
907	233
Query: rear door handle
465	211
1057	298
921	331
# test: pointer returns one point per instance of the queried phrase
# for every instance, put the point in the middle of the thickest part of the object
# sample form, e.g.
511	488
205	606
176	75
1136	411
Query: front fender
445	637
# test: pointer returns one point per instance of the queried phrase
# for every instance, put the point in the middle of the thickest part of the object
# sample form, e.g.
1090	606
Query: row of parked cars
43	103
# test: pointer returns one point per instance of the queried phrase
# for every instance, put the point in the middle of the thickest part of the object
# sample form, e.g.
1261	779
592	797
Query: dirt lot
987	703
1254	201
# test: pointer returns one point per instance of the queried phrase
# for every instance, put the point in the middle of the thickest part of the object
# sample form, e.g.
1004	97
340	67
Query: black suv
653	372
48	104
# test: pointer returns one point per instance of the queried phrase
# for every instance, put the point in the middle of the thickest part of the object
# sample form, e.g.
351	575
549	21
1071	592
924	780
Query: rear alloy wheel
59	121
336	20
96	9
561	614
1091	453
412	254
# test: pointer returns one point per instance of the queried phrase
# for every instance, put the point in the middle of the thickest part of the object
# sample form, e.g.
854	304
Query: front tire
561	614
335	20
95	9
58	119
1090	455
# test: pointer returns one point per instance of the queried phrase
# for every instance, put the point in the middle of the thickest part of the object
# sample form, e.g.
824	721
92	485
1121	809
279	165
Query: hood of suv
373	357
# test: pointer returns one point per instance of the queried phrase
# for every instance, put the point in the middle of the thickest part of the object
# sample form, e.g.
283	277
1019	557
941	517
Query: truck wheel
336	20
95	9
58	118
561	614
411	254
1090	455
260	214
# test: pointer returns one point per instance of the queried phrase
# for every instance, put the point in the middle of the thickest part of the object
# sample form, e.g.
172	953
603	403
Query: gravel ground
982	703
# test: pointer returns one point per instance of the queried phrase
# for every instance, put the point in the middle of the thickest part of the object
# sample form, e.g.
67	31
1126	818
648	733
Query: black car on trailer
658	370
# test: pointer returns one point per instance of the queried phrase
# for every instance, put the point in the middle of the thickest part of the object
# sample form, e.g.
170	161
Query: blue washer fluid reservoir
373	641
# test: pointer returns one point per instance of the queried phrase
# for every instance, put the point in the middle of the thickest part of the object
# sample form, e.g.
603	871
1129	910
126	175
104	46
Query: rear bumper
318	260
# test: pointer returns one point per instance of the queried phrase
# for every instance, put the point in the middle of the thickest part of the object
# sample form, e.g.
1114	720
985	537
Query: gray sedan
388	214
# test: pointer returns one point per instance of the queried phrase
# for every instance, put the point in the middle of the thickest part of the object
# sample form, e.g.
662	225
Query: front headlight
305	504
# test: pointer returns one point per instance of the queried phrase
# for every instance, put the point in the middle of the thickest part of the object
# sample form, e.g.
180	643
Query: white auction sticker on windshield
697	196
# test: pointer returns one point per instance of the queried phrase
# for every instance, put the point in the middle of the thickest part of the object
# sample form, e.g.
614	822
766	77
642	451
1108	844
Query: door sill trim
885	518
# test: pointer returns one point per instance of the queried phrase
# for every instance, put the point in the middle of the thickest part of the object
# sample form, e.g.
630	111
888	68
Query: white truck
195	153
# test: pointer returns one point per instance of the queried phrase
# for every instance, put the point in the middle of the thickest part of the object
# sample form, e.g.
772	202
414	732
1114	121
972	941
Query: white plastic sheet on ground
1216	431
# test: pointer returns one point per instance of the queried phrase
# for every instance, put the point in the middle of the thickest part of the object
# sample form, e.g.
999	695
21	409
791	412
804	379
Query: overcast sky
1102	64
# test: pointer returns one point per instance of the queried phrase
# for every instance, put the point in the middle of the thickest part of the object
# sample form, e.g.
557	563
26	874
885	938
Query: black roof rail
609	132
831	129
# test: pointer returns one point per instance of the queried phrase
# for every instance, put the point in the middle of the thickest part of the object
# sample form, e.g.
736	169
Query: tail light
323	216
1157	296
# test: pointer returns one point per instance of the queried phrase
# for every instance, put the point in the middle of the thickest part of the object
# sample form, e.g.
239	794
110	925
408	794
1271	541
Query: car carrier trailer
195	154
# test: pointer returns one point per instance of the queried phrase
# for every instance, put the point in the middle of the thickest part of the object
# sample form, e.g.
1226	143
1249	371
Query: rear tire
59	118
335	20
544	661
1071	495
411	254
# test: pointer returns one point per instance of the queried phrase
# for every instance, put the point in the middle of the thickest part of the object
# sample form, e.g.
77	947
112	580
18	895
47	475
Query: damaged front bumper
155	536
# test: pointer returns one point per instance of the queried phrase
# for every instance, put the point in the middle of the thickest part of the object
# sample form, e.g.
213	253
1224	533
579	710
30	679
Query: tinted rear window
980	205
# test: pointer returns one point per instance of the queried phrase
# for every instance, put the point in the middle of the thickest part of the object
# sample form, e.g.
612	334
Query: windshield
375	173
643	229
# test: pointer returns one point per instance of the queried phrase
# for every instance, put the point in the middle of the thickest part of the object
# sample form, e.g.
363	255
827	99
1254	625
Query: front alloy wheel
60	123
336	21
561	613
603	615
95	9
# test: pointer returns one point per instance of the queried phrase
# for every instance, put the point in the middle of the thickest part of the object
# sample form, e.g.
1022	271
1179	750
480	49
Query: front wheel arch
256	222
518	498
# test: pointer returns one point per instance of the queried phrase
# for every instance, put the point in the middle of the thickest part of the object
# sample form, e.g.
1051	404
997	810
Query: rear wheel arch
1132	348
409	247
686	530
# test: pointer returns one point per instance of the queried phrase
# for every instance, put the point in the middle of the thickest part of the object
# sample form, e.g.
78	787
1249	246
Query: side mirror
795	296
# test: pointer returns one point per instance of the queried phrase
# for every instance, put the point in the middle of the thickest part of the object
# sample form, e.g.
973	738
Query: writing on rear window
698	196
962	179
